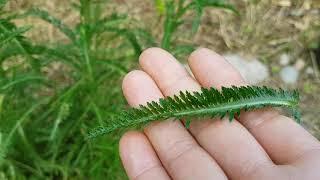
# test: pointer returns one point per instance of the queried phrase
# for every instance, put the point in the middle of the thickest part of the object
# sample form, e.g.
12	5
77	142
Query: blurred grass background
61	74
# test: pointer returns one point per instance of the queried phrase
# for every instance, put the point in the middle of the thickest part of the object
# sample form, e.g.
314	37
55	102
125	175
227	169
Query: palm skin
260	144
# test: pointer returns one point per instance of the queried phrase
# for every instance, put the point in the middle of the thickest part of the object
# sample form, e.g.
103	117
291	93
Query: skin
260	144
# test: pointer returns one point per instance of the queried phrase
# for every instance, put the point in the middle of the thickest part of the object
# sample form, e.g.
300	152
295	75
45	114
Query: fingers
139	159
231	145
281	137
180	154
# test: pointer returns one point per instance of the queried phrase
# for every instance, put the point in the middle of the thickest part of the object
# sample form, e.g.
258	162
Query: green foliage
2	148
175	11
9	83
1	101
207	103
199	6
3	3
52	93
53	21
46	125
11	35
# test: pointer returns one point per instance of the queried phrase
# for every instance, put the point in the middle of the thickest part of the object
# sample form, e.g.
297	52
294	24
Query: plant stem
169	26
85	38
85	49
172	21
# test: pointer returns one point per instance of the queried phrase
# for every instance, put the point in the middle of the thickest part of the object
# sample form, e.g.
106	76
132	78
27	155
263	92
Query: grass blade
20	80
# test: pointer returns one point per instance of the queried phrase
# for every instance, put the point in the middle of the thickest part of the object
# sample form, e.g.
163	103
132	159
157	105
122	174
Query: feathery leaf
44	15
206	103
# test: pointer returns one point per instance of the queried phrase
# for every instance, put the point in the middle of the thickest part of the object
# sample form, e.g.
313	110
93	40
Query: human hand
261	144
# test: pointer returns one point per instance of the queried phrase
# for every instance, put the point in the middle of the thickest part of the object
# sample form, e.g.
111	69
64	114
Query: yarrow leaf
205	103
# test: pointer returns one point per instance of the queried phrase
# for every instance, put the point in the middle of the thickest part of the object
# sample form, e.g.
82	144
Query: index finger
282	138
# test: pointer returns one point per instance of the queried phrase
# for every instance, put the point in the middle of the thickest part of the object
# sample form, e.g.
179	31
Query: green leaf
44	15
130	36
3	3
64	112
145	36
188	122
199	5
218	4
1	102
113	64
19	45
207	103
114	21
6	37
18	80
197	20
183	49
6	141
170	25
46	54
3	148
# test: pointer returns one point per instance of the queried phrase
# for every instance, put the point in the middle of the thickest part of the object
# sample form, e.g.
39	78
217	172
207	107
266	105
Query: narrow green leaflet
218	4
3	3
6	37
5	142
44	15
206	103
1	102
2	149
20	43
199	5
6	85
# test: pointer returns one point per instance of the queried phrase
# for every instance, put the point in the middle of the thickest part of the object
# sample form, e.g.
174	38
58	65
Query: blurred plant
92	67
174	18
15	79
52	93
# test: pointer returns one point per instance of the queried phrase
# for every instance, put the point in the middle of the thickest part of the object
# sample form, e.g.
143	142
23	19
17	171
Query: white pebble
289	75
284	59
299	65
309	70
253	71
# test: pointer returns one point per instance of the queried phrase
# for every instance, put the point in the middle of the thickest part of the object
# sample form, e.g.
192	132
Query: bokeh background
61	75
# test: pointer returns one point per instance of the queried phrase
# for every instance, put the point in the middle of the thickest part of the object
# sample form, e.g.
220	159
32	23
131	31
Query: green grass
43	119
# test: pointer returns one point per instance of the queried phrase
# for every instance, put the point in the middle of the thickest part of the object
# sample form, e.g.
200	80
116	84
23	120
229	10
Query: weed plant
45	118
